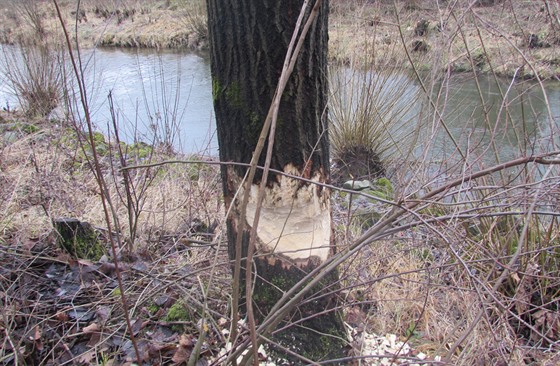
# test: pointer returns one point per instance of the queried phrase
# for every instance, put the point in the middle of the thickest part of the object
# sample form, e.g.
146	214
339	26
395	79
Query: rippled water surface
166	97
158	96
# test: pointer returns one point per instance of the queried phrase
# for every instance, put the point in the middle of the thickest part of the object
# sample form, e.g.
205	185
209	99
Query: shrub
34	76
196	19
34	65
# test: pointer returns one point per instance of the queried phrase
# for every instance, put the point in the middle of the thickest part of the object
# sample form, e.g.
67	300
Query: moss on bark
314	329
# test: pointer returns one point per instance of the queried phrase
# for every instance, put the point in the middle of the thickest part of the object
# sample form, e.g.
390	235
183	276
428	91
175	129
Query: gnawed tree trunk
248	43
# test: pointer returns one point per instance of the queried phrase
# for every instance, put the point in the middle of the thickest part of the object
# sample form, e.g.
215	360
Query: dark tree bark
248	44
78	238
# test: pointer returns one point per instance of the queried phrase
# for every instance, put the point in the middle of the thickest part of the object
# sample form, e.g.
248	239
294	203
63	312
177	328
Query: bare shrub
34	74
34	66
196	19
33	16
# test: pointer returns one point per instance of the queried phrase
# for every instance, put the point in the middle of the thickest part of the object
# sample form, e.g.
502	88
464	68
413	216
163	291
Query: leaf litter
62	311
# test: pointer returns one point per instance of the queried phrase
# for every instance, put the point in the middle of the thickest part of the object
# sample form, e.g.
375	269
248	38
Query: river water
486	115
161	97
166	97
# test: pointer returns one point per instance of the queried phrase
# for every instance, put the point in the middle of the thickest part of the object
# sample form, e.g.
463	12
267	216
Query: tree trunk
248	44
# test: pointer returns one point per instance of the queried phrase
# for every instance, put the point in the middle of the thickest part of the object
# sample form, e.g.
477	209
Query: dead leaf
95	341
184	349
161	300
156	350
137	325
140	266
164	335
36	334
64	257
81	314
85	262
35	339
130	352
107	268
92	328
103	313
186	341
182	355
61	316
86	357
160	313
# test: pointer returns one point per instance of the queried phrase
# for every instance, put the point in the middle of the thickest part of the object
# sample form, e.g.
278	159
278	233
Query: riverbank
515	38
407	286
100	23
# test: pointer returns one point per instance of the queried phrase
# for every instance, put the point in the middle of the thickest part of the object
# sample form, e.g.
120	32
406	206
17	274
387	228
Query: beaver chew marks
295	218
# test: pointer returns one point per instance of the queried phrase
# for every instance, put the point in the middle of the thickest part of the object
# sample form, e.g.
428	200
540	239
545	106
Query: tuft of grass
370	117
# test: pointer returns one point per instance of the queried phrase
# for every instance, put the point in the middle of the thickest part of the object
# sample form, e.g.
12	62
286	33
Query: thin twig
99	176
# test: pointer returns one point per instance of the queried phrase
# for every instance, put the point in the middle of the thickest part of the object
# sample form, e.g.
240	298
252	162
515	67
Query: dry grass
414	286
460	37
46	172
45	176
150	24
